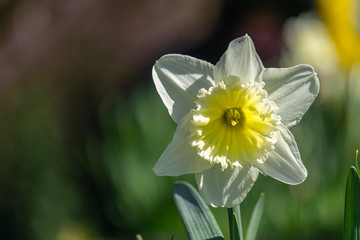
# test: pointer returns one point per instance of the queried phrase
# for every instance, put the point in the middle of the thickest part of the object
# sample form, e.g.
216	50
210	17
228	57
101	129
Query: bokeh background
81	124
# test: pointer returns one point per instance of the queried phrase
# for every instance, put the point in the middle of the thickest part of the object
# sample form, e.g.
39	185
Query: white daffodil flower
233	120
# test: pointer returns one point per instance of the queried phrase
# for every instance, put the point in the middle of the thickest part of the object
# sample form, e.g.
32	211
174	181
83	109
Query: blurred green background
81	124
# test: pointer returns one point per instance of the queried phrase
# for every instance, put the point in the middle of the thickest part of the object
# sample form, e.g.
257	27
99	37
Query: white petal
292	89
226	188
178	79
240	59
284	163
180	157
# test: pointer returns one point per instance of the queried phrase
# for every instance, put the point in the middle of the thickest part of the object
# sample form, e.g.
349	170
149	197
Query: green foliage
198	220
235	223
352	206
357	160
255	219
200	223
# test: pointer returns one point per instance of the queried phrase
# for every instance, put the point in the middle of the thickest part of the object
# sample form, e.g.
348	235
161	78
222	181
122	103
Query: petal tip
299	178
246	38
157	171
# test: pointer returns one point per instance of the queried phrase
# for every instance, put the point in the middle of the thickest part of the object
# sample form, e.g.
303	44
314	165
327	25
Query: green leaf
352	206
235	223
237	213
198	220
357	160
255	218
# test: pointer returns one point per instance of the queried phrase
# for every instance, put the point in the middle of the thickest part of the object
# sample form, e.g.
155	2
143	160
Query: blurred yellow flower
342	20
307	39
233	120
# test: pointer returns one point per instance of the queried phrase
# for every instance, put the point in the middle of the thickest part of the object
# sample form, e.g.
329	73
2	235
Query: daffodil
342	20
233	120
307	39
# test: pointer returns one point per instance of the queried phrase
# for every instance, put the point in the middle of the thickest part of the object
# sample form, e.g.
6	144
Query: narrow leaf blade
352	206
198	220
255	218
233	224
238	221
357	160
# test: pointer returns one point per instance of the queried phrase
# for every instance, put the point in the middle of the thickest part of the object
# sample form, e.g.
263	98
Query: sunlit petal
180	157
240	59
178	79
226	188
292	89
284	163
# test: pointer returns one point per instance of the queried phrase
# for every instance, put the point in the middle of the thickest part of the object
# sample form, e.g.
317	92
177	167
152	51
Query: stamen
232	116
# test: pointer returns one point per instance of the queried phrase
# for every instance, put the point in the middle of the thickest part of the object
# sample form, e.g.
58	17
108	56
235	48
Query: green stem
231	223
235	223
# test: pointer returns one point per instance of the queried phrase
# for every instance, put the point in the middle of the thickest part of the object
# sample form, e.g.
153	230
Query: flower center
234	123
232	116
